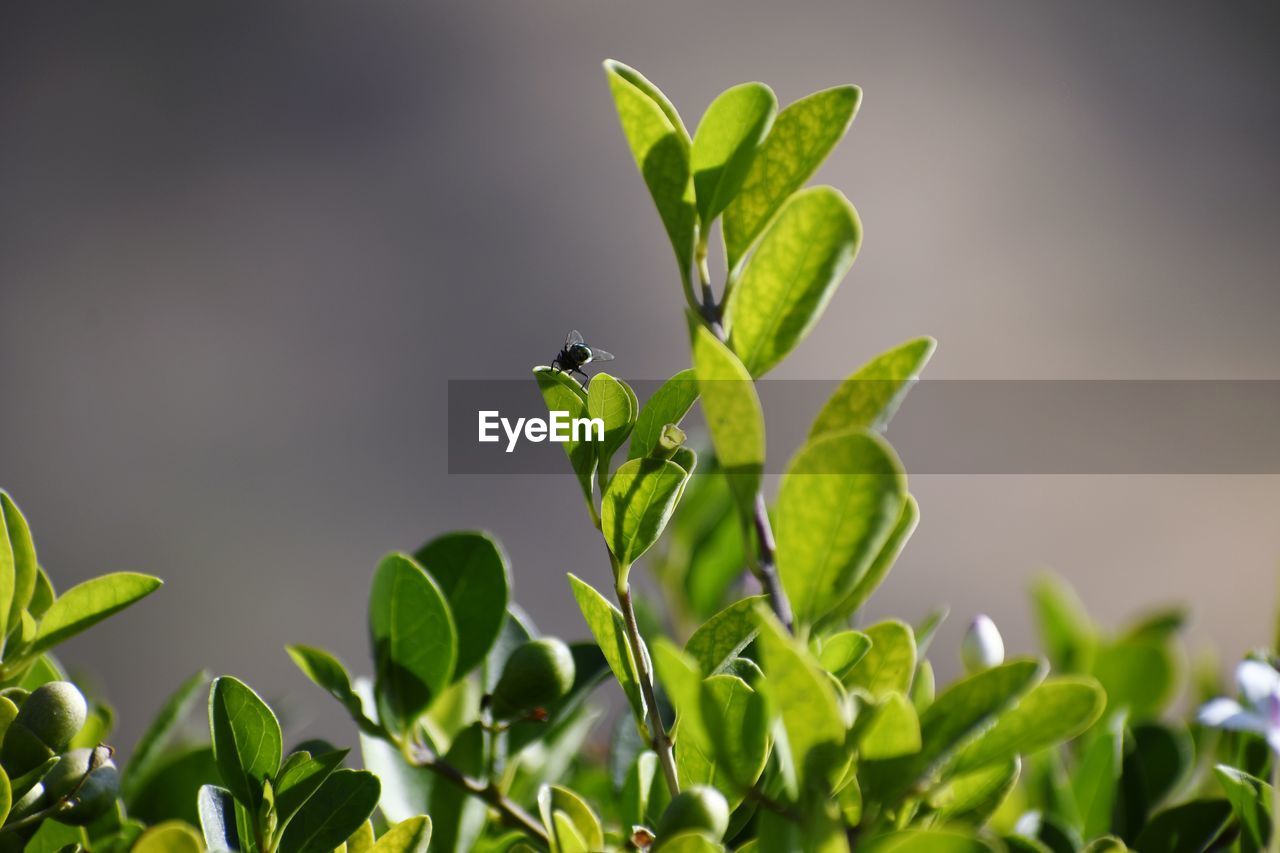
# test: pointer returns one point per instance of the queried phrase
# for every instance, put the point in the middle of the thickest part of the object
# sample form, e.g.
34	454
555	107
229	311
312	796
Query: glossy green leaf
1093	782
87	604
870	397
841	652
148	753
18	566
562	393
407	836
343	802
893	730
414	640
927	841
637	505
1250	799
838	504
555	800
300	779
1191	826
725	144
328	673
605	622
1065	629
733	414
870	581
246	739
1139	676
802	136
889	664
172	836
802	695
724	635
217	818
972	797
1054	711
668	405
736	720
961	711
661	148
472	572
791	277
610	400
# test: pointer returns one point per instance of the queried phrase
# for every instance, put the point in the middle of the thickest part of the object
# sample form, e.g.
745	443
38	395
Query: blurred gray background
243	246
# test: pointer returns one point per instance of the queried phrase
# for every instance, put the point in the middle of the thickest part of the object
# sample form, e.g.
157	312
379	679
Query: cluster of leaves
759	715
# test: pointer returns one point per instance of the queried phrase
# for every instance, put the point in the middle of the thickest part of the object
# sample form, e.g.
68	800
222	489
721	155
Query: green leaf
562	393
870	397
637	505
6	796
611	401
301	779
725	144
668	405
691	841
217	818
879	570
1191	826
148	754
55	837
733	414
802	137
414	640
974	796
344	801
246	739
838	504
605	622
471	570
554	801
889	664
1251	799
841	652
1066	631
172	836
961	711
87	604
1158	758
1093	783
1053	712
18	567
736	720
791	277
724	635
893	731
172	789
1139	676
634	802
328	673
407	836
927	841
661	148
802	695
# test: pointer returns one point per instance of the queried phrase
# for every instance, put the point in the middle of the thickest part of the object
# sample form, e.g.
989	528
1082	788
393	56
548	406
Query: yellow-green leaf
733	414
725	144
870	396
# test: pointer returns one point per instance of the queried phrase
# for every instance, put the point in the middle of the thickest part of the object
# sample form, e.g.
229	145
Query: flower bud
982	647
670	440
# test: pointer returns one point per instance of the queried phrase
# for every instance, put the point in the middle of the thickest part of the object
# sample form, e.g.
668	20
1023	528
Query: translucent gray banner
948	426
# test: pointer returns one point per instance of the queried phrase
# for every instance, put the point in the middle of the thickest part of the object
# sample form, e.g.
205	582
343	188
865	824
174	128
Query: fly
575	353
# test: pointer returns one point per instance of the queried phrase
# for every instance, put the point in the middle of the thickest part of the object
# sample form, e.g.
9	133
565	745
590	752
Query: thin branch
487	791
658	736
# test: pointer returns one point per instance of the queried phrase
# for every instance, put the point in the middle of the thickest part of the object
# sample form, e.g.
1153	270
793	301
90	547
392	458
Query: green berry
536	675
47	721
94	795
698	808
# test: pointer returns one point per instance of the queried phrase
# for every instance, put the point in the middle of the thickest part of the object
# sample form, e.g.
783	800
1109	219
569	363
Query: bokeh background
244	245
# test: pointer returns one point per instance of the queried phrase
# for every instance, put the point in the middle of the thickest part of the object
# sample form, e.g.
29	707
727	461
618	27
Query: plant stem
658	736
765	566
487	791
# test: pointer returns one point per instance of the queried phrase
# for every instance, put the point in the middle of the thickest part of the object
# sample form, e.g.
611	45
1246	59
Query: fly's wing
574	337
598	354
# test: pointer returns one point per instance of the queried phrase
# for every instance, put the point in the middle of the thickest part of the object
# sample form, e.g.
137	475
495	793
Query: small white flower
1260	712
982	647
